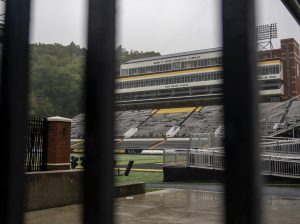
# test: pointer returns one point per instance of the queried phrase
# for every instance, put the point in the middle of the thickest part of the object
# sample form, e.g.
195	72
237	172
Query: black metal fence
242	191
36	144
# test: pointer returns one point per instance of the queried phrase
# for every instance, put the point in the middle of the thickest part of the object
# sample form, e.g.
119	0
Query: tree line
57	75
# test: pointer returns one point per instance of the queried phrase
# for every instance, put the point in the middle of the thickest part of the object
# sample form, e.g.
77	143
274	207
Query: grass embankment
147	177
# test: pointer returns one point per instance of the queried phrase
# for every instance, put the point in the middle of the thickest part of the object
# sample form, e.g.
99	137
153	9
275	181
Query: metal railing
286	166
36	144
205	140
281	148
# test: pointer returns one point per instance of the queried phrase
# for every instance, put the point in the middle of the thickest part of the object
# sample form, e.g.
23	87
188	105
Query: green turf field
122	159
147	177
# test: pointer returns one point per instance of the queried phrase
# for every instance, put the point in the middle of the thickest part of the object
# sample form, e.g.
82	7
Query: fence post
164	157
213	159
187	158
13	109
242	176
45	144
59	143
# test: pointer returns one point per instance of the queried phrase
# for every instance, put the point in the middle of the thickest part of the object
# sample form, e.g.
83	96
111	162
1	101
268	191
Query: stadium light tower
264	36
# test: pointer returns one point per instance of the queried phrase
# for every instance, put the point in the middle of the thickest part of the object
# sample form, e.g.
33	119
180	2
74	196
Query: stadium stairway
129	133
284	117
162	121
281	132
130	120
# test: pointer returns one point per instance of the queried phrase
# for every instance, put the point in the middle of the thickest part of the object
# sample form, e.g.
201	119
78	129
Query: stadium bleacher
152	125
161	122
77	126
293	115
206	120
130	119
272	116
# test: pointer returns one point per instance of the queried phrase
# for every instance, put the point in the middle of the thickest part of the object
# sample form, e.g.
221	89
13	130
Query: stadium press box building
196	77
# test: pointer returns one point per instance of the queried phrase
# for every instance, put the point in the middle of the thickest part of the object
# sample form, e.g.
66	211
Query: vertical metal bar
45	144
13	109
242	182
98	189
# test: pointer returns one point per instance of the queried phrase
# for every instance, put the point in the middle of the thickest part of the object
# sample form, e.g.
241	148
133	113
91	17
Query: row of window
170	80
267	70
270	84
172	66
170	93
188	91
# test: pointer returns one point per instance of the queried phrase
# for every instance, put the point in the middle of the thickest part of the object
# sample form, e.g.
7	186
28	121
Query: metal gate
36	144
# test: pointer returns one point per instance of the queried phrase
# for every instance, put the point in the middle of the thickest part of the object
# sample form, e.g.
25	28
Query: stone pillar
59	143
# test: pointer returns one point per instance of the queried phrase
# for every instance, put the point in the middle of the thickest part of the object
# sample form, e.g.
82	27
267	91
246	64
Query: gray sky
167	26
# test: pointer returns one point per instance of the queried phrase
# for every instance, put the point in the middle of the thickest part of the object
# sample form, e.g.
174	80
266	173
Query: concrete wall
53	189
60	188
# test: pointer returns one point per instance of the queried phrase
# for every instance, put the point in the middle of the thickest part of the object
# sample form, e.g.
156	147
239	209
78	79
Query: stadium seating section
206	120
152	125
130	119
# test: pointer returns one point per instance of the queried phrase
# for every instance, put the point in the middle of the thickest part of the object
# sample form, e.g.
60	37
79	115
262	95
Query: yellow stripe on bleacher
198	109
176	110
154	111
157	144
76	143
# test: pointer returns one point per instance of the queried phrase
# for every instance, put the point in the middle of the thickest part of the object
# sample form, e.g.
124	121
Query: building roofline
174	55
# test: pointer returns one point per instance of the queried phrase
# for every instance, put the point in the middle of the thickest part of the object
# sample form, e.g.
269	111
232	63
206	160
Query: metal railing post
187	158
242	180
13	109
99	106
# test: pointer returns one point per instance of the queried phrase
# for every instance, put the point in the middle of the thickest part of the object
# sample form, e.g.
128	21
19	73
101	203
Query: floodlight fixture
266	32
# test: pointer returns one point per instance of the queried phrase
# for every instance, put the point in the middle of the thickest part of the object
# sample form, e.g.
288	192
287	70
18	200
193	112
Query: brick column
59	143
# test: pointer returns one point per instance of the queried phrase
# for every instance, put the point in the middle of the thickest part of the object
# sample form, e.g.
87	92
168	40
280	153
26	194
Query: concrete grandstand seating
130	119
205	121
271	109
77	126
271	114
294	113
118	113
158	124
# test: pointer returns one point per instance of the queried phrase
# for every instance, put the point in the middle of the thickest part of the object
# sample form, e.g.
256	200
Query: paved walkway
271	190
172	206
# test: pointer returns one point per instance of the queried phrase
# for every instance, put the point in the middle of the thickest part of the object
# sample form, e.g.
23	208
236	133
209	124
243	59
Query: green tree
56	77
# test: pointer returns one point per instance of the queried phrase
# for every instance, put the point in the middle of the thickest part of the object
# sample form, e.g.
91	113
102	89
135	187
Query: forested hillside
56	79
57	74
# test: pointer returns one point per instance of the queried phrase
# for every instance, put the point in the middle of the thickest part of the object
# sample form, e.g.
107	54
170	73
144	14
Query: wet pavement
173	206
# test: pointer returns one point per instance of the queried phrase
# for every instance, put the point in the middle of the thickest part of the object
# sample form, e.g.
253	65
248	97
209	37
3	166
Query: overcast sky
166	26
